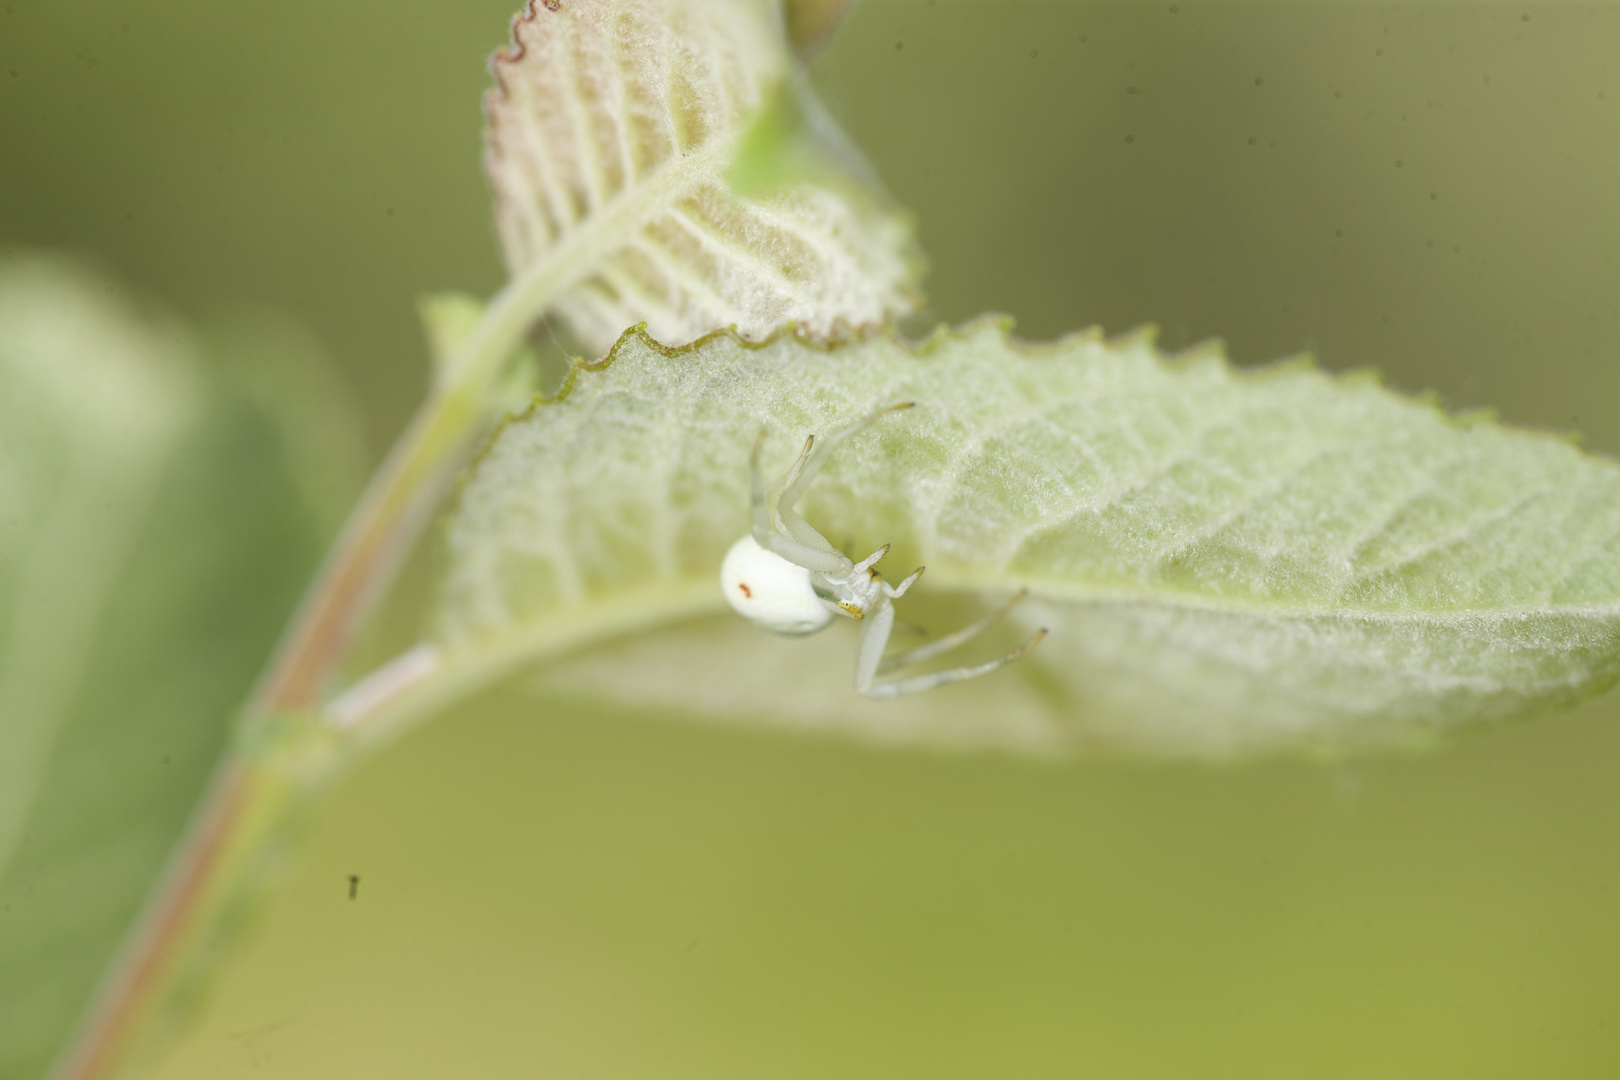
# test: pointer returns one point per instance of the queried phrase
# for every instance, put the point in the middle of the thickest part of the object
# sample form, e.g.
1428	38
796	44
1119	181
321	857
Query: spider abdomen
771	592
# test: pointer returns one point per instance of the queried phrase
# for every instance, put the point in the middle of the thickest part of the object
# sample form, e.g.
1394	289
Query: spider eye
854	612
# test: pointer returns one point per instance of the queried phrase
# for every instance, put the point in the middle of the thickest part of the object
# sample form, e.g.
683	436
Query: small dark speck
1431	243
1034	54
165	759
694	943
1253	141
899	45
129	216
390	211
1174	10
1338	232
1272	144
1399	163
1288	309
1130	65
1487	80
1130	138
14	74
1133	89
1258	81
1525	17
1457	248
1338	94
354	885
1082	39
1434	194
1601	94
1378	52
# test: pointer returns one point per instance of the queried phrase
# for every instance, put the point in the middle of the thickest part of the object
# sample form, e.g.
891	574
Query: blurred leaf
159	517
611	130
1229	562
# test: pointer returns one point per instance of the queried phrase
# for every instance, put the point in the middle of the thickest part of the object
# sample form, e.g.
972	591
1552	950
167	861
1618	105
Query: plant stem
368	552
127	1003
231	845
401	496
244	814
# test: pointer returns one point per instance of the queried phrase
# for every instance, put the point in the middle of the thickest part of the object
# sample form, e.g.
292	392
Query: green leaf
1229	562
158	515
612	128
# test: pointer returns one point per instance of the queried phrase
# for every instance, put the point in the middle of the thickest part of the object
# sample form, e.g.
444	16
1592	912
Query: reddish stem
149	959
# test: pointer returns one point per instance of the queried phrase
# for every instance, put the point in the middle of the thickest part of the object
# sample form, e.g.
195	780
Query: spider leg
916	685
797	481
897	591
798	464
799	550
791	523
950	641
799	478
875	629
871	560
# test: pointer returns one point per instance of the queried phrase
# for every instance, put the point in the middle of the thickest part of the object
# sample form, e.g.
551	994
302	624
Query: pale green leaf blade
90	409
1228	562
161	512
611	130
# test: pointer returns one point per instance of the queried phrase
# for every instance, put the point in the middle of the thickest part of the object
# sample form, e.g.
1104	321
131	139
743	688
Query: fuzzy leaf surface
162	498
1229	562
611	130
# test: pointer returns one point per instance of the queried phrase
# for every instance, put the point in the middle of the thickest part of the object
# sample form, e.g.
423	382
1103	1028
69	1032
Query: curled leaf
1228	561
612	128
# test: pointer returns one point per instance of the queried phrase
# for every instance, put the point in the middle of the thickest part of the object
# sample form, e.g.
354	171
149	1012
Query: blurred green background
549	889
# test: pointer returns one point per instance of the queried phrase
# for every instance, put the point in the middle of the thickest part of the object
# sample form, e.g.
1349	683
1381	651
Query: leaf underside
1228	562
611	129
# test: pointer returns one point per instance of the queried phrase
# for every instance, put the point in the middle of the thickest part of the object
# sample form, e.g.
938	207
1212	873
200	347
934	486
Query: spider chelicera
785	577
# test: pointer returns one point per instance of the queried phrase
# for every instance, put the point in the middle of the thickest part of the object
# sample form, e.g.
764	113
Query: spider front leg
800	550
811	459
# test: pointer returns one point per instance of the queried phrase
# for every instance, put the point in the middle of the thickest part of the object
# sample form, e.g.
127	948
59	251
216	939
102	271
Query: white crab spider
784	576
